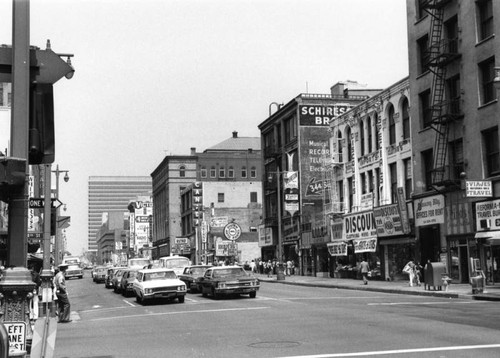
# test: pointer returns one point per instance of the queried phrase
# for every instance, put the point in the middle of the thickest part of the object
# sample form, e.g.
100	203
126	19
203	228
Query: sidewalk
491	293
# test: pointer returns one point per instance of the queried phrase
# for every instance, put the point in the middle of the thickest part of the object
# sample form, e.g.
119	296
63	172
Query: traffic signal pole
18	206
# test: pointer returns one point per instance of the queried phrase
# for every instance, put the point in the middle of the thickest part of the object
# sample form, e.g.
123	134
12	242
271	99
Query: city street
283	321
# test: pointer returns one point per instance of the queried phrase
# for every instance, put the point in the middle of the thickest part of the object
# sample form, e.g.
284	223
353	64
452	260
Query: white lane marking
399	351
181	312
105	309
129	303
421	303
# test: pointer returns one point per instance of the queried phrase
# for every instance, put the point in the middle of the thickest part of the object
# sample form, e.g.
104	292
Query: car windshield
237	271
197	270
160	275
176	263
73	267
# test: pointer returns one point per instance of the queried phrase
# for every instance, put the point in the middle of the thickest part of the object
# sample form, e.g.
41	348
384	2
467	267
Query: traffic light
12	177
41	148
53	221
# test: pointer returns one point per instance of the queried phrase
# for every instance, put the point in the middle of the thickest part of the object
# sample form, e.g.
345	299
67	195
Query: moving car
158	283
225	280
127	282
191	274
74	271
138	263
100	274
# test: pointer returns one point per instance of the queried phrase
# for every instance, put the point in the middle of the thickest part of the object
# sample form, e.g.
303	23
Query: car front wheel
253	294
181	299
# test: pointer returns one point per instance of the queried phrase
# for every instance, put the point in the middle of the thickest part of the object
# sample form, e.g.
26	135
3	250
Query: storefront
358	242
488	239
397	246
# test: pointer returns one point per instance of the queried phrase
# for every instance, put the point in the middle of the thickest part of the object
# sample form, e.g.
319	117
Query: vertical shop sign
197	203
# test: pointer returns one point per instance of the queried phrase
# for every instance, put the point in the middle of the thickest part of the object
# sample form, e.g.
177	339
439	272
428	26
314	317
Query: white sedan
158	283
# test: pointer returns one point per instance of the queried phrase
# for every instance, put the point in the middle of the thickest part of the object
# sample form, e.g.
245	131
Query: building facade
295	148
453	54
111	194
370	180
230	170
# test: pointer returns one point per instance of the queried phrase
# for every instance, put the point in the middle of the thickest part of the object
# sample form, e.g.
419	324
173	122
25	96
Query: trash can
477	282
434	275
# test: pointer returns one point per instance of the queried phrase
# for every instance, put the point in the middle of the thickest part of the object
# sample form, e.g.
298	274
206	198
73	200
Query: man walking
365	268
62	295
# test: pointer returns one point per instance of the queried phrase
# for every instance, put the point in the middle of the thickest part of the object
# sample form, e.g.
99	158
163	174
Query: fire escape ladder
438	68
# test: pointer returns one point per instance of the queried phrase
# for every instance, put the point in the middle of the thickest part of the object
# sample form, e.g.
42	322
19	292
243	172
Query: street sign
17	334
38	203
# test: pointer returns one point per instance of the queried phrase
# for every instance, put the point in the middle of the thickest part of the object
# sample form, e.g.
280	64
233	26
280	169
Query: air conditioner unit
485	223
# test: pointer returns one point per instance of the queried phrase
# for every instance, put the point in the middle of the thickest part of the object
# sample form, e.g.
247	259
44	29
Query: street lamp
57	246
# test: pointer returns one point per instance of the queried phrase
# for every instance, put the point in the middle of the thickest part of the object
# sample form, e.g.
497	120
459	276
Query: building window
392	126
363	183
253	172
421	9
408	178
393	170
350	190
453	95
362	137
406	120
340	147
290	130
452	34
213	172
425	108
424	54
222	172
349	144
456	157
485	18
230	172
182	171
253	196
341	192
243	172
203	171
427	166
377	131
370	135
492	151
486	77
220	197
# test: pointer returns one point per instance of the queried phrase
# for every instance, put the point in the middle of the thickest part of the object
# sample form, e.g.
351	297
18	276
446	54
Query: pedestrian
293	268
62	295
410	270
252	266
289	268
261	267
418	273
365	268
35	277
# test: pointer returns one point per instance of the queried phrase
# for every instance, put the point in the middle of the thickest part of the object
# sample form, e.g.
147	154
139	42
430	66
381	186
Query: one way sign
38	203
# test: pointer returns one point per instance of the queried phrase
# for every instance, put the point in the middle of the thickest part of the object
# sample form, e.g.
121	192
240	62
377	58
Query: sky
157	77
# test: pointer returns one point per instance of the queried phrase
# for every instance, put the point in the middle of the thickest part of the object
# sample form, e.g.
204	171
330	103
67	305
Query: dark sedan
191	275
226	280
127	282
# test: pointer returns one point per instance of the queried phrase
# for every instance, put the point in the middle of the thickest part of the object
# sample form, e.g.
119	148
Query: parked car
158	283
127	282
117	278
110	274
191	274
74	271
100	274
225	280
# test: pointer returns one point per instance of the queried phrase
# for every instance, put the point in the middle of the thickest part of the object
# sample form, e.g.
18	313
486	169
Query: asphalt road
283	321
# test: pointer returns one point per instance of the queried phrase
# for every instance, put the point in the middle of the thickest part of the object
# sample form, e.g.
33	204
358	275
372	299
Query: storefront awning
492	237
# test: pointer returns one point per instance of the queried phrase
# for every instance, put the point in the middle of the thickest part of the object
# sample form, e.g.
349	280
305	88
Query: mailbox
434	275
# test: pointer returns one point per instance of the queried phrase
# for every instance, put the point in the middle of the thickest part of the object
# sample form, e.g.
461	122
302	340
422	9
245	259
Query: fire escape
443	112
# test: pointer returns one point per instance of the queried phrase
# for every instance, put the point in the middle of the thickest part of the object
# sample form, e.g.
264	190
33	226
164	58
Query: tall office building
112	194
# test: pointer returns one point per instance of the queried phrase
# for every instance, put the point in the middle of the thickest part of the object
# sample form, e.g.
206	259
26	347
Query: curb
443	294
